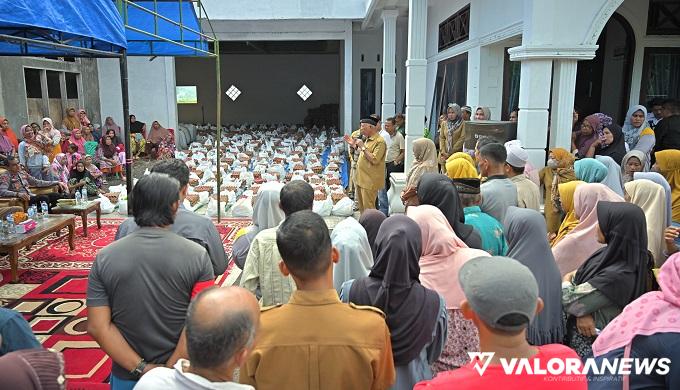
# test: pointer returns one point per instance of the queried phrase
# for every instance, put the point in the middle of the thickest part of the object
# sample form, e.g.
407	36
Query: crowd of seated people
400	302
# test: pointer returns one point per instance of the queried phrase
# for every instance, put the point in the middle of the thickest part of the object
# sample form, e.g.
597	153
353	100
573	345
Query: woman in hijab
415	315
81	177
59	168
652	200
33	369
610	278
425	154
483	114
95	173
50	138
109	157
668	165
77	140
137	136
356	256
655	334
266	215
570	221
71	121
633	161
438	190
610	144
636	131
527	243
591	130
613	179
578	245
371	220
451	134
462	155
442	256
109	124
590	170
158	142
660	180
560	169
460	168
82	116
31	154
7	132
6	147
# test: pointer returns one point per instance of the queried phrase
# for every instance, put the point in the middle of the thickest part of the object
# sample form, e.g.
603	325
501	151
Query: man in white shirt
220	330
528	193
394	159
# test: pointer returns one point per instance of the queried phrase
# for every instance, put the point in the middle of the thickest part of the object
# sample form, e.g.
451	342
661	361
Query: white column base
534	99
564	86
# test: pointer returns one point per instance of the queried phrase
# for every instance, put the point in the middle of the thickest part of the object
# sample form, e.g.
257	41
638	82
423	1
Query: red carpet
51	296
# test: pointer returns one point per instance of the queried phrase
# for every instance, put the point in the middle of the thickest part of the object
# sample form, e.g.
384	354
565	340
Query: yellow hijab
651	198
570	221
462	155
668	164
460	168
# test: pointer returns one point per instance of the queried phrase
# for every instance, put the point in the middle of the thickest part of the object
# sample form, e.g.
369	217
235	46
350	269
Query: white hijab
356	257
266	212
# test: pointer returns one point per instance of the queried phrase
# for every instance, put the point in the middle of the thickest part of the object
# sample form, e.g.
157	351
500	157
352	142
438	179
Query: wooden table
83	211
53	224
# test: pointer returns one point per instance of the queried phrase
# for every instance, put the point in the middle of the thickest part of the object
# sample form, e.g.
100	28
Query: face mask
552	163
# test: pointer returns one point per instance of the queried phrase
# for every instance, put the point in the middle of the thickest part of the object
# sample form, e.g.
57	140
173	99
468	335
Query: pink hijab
80	143
443	254
579	244
654	312
84	120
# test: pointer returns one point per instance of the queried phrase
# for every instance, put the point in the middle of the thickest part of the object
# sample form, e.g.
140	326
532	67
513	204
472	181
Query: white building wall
368	44
151	87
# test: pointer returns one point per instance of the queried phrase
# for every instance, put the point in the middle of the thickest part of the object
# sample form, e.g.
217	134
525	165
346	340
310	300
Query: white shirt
388	139
176	378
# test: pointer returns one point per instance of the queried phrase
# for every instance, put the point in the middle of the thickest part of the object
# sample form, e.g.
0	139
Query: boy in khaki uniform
315	341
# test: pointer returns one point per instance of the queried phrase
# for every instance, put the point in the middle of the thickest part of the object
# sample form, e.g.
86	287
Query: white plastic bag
242	208
212	208
122	207
106	205
323	207
344	207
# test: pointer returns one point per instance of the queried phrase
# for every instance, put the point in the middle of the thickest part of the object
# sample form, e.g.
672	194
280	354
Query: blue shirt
491	231
16	333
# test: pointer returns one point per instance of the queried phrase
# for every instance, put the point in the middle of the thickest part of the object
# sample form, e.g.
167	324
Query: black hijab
371	220
136	126
617	149
619	270
393	286
438	190
75	174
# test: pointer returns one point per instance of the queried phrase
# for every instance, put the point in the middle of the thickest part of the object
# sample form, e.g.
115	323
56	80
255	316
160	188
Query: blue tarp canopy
71	24
183	12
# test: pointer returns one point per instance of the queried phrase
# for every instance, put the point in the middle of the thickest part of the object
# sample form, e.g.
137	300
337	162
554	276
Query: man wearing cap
370	169
528	194
501	299
490	230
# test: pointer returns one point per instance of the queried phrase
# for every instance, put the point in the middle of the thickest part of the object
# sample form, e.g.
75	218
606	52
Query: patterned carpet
51	296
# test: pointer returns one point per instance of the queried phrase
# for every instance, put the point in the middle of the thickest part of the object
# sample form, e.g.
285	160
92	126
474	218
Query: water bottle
10	221
78	196
83	195
45	209
31	212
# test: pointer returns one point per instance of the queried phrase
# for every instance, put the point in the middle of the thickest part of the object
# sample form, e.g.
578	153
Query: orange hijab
9	133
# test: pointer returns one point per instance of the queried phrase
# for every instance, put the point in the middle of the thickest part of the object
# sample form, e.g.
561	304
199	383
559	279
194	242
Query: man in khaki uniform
315	341
370	169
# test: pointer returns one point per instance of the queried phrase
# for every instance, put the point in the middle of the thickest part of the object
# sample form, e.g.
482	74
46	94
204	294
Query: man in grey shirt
187	224
498	192
140	287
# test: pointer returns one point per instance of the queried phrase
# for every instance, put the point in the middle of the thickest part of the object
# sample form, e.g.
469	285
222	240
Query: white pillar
389	76
416	72
346	113
564	86
534	99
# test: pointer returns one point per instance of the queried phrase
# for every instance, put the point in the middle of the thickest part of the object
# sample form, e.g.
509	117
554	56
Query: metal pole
219	127
126	127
